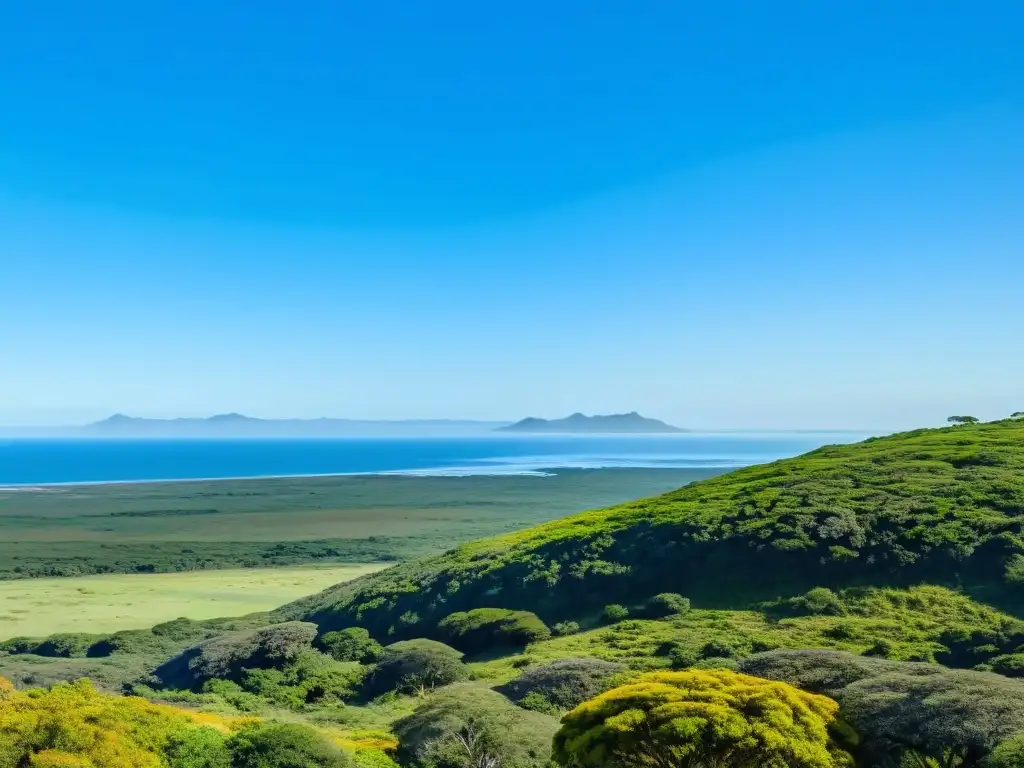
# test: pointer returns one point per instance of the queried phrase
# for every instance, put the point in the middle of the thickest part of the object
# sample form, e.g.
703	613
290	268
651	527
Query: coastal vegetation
856	606
274	522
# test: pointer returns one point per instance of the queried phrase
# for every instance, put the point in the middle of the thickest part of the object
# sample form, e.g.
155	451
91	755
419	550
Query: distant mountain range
238	425
620	423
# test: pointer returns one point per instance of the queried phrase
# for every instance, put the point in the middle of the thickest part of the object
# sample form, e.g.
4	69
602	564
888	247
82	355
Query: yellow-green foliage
74	725
701	719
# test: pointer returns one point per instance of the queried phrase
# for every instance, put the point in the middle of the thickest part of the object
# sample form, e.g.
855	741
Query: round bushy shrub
563	628
718	649
563	684
613	613
468	726
482	629
416	665
820	601
284	745
225	657
666	604
353	644
1009	664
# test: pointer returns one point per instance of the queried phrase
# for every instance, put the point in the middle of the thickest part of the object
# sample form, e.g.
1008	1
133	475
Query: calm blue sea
53	461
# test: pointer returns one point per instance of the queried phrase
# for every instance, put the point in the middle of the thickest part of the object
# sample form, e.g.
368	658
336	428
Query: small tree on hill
470	726
416	666
962	420
700	719
353	644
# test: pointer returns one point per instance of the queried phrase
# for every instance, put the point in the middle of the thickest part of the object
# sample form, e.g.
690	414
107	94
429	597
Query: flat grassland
187	526
132	601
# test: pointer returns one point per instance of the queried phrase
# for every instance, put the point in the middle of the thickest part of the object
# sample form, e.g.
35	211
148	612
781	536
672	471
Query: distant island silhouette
577	423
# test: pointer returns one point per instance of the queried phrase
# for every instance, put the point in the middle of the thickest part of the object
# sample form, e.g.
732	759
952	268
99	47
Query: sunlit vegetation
937	506
701	718
857	606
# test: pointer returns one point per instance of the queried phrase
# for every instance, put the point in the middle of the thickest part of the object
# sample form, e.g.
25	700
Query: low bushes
469	726
285	745
561	684
225	657
416	665
485	628
665	604
353	644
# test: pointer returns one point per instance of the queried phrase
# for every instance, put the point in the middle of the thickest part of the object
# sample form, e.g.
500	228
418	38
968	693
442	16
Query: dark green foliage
1009	754
820	601
1009	664
665	604
680	656
178	629
933	506
717	649
716	662
947	713
416	665
485	628
613	613
469	726
67	645
352	644
905	708
197	748
284	745
822	671
563	628
1013	572
962	420
226	656
882	647
562	684
310	678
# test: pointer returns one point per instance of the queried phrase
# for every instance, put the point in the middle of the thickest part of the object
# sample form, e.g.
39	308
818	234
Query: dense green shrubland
941	506
851	573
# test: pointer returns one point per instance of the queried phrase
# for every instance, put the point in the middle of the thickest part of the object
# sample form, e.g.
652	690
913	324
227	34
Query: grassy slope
941	506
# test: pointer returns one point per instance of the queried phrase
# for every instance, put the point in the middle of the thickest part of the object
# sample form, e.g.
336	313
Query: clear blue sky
722	214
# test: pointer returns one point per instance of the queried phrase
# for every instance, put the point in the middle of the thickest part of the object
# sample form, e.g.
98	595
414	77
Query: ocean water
33	462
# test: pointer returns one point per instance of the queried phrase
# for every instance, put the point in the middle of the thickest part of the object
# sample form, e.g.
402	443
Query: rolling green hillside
941	506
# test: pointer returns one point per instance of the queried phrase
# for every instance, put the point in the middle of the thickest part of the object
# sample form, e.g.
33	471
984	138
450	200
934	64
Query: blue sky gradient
730	214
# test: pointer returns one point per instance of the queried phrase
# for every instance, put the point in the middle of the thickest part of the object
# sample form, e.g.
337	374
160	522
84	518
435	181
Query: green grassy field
128	601
161	527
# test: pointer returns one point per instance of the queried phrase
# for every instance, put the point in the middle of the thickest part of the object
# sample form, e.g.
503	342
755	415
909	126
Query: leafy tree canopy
483	628
564	683
469	726
416	665
352	644
75	725
225	657
700	719
285	745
